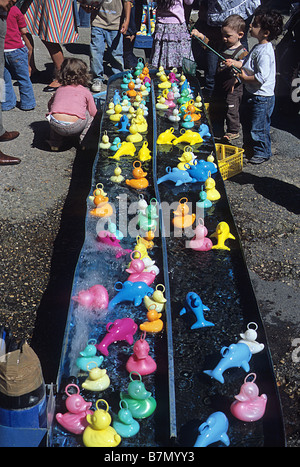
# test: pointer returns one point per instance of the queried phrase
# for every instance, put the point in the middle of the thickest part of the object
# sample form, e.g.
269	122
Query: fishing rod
215	52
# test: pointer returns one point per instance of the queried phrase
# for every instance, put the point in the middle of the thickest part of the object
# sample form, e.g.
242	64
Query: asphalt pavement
42	230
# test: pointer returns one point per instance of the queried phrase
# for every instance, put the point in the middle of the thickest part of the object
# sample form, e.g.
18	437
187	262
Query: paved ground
42	215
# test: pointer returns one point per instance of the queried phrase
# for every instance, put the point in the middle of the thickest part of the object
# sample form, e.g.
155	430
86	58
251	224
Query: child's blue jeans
16	67
256	114
114	41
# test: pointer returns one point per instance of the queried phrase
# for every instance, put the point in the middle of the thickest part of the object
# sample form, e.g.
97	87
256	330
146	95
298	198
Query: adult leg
97	47
57	56
114	41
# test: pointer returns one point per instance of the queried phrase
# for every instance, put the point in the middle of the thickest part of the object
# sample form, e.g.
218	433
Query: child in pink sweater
72	108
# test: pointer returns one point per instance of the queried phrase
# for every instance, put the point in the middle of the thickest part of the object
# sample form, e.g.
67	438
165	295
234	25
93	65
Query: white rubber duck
249	338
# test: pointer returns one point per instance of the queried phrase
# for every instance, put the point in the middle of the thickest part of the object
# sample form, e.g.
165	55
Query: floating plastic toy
186	159
141	362
117	115
213	430
124	423
182	218
236	355
210	187
249	406
117	177
130	292
154	323
200	170
200	242
249	338
222	234
105	144
166	137
103	207
165	83
99	433
112	228
110	239
203	202
140	401
125	149
147	220
189	136
135	136
123	124
131	91
174	116
98	380
175	175
75	419
194	304
137	272
115	144
144	153
88	358
96	297
156	299
187	121
161	103
139	180
204	131
120	330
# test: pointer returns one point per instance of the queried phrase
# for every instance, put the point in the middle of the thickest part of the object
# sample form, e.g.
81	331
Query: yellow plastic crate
230	160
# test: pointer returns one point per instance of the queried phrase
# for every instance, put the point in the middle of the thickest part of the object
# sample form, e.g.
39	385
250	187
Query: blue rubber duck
87	358
124	423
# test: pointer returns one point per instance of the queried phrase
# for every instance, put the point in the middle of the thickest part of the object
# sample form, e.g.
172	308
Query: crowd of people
239	84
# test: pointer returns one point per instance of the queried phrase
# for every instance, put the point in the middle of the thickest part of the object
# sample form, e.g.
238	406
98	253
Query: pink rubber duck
249	406
140	361
170	100
137	271
200	242
75	419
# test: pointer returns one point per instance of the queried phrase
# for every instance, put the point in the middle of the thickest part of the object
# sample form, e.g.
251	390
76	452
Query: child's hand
197	33
228	62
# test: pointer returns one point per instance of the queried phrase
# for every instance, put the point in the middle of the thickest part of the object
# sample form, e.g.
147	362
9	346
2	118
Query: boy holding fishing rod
227	94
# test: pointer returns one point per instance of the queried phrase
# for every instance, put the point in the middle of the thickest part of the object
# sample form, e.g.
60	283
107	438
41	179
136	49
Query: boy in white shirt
258	74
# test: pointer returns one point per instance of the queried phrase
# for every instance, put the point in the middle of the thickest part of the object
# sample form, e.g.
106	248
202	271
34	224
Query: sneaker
257	160
96	85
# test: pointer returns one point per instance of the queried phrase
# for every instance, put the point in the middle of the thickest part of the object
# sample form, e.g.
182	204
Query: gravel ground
42	228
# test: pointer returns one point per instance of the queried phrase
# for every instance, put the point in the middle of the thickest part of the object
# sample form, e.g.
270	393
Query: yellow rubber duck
99	433
187	157
135	136
98	380
126	149
144	153
157	299
165	83
189	136
160	104
117	177
210	189
140	121
117	115
105	144
166	137
161	71
111	108
222	234
154	323
182	217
